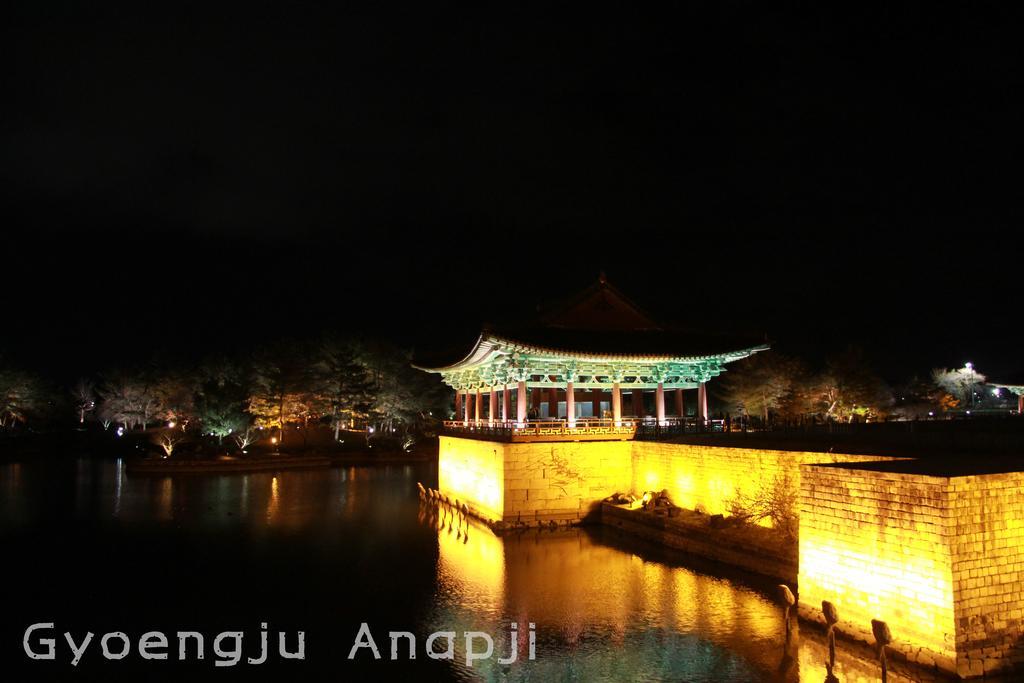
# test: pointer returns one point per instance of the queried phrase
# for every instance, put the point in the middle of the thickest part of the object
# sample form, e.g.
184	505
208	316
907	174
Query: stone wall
567	480
985	531
531	482
563	480
938	558
875	545
709	476
472	472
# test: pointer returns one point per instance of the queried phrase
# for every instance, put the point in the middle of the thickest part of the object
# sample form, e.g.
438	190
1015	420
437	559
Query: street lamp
971	378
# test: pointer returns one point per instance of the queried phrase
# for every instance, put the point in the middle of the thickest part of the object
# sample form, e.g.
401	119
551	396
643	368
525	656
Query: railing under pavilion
583	429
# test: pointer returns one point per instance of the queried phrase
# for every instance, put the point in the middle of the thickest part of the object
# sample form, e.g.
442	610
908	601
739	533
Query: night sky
184	177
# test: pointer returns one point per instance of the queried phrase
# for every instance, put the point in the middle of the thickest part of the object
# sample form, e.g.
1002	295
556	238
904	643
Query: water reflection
12	501
605	608
606	613
273	506
119	479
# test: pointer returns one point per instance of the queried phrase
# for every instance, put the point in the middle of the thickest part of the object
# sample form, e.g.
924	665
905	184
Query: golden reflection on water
165	500
274	503
605	609
604	613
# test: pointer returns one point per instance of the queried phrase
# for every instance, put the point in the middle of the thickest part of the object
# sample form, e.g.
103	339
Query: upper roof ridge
599	307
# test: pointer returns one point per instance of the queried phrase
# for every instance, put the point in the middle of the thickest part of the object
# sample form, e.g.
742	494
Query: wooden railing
650	430
981	435
538	430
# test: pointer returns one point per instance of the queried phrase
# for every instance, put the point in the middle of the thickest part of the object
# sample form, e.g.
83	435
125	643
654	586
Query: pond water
90	548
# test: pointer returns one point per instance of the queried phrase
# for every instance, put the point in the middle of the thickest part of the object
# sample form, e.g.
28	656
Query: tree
220	408
960	383
246	437
777	502
342	382
280	387
761	383
21	394
848	388
403	398
129	400
169	439
84	396
175	393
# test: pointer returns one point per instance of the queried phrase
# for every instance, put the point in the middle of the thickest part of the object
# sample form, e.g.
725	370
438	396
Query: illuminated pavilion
930	547
1017	389
565	371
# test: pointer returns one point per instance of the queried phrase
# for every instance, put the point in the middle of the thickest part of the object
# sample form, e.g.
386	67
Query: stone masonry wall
563	480
709	476
939	559
875	544
472	472
531	482
985	525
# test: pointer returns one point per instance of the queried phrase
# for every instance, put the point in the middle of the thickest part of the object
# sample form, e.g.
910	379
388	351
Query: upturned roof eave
589	355
487	342
455	366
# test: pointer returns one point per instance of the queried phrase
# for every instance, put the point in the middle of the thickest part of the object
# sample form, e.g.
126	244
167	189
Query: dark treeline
276	394
772	386
273	394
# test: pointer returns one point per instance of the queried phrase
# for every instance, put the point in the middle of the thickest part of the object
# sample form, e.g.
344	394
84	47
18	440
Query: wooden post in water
831	618
789	601
882	638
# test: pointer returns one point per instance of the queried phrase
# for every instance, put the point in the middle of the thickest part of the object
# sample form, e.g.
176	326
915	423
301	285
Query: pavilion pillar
680	406
617	404
506	401
479	405
466	408
492	404
570	405
638	403
521	402
553	404
1020	404
660	403
458	403
702	402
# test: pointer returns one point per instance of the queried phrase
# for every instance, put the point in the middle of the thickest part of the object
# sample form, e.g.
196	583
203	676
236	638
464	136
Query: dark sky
189	177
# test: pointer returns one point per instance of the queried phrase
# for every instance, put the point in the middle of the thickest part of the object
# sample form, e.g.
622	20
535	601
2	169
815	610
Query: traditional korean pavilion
1016	387
566	370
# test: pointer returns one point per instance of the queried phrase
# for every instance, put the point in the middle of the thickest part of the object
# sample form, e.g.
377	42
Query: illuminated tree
20	395
849	389
280	388
175	394
342	383
961	383
169	439
776	502
220	409
947	402
761	383
404	398
128	400
246	437
84	396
